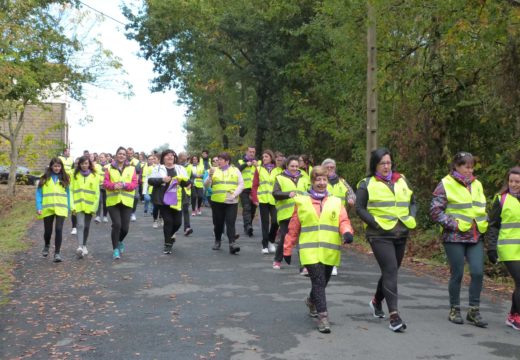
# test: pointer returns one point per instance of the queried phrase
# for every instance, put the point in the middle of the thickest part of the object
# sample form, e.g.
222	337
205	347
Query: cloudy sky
145	121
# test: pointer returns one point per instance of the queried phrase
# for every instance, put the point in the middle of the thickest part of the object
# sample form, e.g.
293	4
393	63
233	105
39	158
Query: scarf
224	168
85	173
269	167
465	180
293	177
316	195
386	178
516	195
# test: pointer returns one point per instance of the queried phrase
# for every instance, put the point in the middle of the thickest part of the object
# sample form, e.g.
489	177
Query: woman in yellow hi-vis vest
120	183
53	203
85	192
226	185
459	206
503	237
320	225
385	203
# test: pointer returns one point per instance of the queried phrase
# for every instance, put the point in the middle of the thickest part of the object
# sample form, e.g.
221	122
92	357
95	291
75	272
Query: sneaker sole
398	328
509	323
371	304
324	331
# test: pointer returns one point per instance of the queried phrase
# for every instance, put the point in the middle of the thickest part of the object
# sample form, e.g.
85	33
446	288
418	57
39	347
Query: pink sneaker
277	265
513	320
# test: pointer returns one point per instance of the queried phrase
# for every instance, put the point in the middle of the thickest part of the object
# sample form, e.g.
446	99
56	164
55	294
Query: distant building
45	133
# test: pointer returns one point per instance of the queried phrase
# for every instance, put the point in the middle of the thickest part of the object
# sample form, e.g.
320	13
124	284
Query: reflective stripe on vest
85	192
223	182
319	241
465	206
339	190
54	199
247	174
388	207
197	171
508	246
115	197
265	186
285	208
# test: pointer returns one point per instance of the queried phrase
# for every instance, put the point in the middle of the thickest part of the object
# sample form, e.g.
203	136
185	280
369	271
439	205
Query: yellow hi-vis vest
85	192
147	171
320	240
223	182
247	174
265	186
54	199
464	206
285	208
339	190
388	207
197	171
508	245
68	163
114	197
189	169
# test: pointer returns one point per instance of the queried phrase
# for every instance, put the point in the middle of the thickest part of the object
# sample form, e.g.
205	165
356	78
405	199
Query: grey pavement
204	304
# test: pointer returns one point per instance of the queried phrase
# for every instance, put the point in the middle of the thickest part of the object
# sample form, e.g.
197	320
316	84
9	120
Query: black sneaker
475	318
216	246
45	251
167	249
57	258
396	323
454	315
377	309
250	232
233	248
188	231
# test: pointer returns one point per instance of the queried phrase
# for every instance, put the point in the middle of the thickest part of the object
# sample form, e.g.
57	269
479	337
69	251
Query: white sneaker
271	247
105	219
74	231
304	271
85	251
133	218
155	224
265	251
97	220
199	212
79	252
334	271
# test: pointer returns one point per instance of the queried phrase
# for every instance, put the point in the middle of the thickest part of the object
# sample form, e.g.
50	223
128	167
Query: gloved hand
348	238
287	259
492	256
147	197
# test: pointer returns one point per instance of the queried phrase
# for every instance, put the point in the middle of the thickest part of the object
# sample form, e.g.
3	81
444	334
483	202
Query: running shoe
188	231
121	247
250	232
45	251
334	271
155	224
193	213
199	212
312	308
265	251
57	258
116	255
74	231
85	250
513	320
377	309
304	271
323	324
167	249
105	219
454	315
475	318
277	265
79	252
396	323
133	218
97	219
272	248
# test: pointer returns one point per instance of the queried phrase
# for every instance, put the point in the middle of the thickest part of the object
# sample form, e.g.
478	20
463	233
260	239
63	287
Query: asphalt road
204	304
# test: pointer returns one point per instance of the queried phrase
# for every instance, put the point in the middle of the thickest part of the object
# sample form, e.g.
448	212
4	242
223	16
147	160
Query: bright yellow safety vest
68	164
465	206
247	174
285	208
188	172
223	182
320	240
339	190
265	186
388	207
54	199
114	197
85	192
199	171
508	246
147	171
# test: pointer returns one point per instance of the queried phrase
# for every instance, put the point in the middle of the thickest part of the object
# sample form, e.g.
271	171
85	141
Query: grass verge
16	215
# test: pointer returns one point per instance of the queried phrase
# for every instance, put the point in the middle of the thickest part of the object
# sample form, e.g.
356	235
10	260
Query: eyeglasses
389	163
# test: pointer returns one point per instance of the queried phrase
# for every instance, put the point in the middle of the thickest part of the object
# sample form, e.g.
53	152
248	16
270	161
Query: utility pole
371	82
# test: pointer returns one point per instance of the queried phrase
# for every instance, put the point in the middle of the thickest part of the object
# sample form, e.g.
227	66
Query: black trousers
514	269
120	216
172	222
284	228
224	215
197	195
248	209
58	231
320	276
102	203
186	209
269	224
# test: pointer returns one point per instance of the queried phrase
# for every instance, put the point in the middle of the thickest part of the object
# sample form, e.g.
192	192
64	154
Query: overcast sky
145	121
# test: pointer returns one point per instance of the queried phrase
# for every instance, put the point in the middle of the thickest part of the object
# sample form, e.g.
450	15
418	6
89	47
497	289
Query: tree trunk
13	157
223	123
371	83
261	119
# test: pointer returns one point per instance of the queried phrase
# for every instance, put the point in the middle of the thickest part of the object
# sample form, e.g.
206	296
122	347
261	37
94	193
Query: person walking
226	184
197	190
247	166
503	237
85	192
120	183
385	203
320	224
134	161
186	193
53	203
287	185
167	180
261	196
459	207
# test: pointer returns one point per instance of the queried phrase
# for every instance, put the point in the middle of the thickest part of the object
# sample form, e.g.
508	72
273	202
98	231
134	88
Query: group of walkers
301	206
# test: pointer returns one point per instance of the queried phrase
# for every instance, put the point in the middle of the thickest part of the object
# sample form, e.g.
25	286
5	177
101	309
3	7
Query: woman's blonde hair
318	171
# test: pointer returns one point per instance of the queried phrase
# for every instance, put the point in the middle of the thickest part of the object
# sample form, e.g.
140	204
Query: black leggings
269	224
224	214
155	212
320	276
284	228
120	216
172	222
197	195
514	269
58	231
186	199
389	253
102	203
